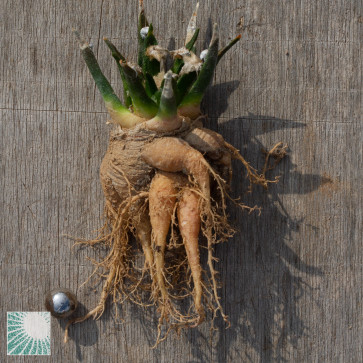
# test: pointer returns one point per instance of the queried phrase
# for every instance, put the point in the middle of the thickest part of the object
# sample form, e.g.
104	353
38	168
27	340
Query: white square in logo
28	333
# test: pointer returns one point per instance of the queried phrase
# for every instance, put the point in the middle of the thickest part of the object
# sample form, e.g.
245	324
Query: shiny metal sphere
61	302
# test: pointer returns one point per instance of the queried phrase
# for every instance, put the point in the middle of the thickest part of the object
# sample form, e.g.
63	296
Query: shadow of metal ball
61	303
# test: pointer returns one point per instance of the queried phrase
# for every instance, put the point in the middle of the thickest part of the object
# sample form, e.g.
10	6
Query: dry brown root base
214	226
116	263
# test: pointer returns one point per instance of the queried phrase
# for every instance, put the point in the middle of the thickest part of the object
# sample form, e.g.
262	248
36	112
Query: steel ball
61	303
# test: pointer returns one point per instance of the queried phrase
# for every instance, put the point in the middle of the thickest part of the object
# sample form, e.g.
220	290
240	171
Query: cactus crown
150	91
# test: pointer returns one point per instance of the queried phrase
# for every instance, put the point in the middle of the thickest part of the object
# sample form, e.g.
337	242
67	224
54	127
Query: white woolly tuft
144	31
203	54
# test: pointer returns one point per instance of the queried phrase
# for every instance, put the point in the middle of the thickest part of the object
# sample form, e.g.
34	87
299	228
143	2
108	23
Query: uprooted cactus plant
165	179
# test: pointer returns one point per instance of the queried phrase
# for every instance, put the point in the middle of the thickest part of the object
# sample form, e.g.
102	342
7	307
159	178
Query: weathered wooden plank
292	278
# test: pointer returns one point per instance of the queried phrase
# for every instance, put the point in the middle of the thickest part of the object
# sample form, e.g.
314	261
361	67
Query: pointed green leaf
118	57
107	92
192	41
151	66
195	94
118	112
167	107
184	83
150	85
142	23
224	50
142	103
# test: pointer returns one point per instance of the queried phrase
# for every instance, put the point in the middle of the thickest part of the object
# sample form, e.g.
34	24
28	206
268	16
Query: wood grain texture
292	278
